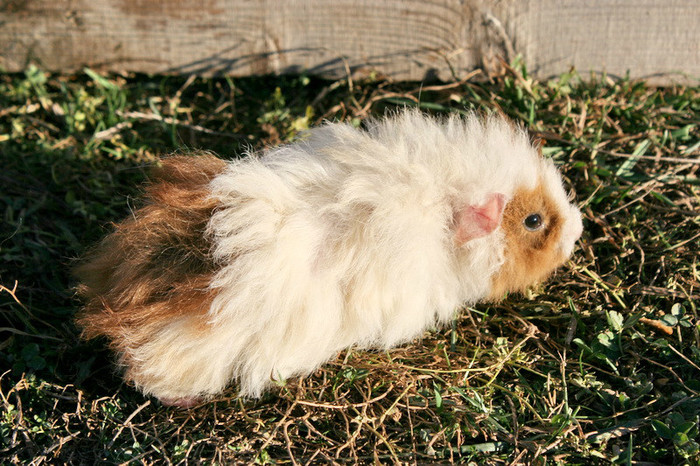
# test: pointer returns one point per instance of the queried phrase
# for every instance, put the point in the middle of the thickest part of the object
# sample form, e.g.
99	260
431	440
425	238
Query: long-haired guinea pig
261	269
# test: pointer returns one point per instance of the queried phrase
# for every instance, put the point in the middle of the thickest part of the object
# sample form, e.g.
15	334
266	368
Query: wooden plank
658	40
404	39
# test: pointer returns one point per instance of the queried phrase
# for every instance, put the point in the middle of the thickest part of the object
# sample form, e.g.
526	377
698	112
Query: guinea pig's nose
578	223
572	231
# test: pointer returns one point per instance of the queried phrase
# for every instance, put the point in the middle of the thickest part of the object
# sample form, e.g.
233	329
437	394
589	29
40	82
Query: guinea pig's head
540	228
522	224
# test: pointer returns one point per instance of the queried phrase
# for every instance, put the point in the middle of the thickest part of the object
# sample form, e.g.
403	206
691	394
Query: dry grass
600	364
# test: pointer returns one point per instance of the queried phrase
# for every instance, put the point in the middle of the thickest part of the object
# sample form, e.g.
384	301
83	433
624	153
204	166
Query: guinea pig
260	269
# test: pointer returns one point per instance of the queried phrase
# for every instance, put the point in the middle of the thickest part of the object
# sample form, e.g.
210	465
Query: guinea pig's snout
572	231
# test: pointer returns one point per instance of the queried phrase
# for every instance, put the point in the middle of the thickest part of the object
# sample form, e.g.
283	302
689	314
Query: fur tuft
155	266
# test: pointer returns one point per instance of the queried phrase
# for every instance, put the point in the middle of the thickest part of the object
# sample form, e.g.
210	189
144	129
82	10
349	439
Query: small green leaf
36	363
677	310
30	351
661	343
615	320
605	339
669	320
680	438
661	429
438	398
682	133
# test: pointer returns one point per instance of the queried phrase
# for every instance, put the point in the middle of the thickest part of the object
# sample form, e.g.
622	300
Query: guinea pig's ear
475	221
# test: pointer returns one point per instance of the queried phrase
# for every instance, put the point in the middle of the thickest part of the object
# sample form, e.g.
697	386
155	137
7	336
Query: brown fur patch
529	256
156	265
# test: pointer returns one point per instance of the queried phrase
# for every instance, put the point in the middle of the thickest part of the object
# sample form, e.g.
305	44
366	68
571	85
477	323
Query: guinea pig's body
264	268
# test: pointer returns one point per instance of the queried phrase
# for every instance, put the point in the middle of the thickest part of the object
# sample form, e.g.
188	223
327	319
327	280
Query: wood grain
403	39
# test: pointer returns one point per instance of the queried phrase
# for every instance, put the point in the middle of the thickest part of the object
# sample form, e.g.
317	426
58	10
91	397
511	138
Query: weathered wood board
404	39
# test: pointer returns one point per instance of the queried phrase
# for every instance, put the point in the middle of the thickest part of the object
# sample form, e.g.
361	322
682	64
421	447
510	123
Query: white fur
344	238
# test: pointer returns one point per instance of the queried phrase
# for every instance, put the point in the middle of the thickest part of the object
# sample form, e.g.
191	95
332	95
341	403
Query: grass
601	364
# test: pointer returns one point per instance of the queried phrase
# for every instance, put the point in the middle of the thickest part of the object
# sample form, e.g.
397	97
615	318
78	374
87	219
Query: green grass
602	363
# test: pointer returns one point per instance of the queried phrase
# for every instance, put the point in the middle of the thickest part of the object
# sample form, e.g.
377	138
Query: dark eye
533	222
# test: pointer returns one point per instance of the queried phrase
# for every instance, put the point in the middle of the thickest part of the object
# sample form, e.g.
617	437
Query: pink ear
475	221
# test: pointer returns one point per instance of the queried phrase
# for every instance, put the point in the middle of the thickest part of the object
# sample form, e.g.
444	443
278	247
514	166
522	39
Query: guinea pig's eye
533	222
